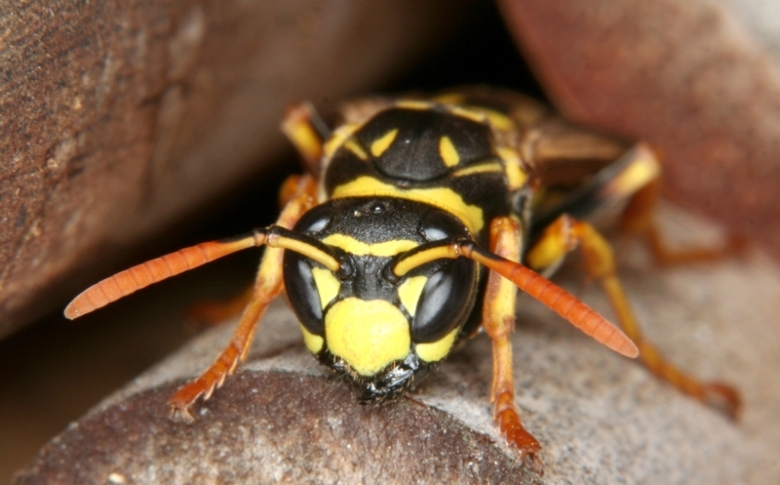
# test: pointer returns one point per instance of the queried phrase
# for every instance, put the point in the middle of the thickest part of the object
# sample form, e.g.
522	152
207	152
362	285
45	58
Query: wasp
418	220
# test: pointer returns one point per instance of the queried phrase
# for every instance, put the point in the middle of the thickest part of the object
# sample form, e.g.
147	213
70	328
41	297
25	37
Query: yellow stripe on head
359	248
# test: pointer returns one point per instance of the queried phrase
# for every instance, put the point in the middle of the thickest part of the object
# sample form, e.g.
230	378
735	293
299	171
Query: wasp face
377	330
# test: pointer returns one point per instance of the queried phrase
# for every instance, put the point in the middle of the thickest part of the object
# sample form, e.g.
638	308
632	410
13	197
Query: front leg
268	285
498	320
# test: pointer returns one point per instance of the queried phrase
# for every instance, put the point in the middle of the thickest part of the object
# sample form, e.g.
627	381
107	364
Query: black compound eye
438	225
317	222
446	300
302	292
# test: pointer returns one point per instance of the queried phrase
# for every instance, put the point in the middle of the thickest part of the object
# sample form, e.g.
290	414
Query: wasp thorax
379	330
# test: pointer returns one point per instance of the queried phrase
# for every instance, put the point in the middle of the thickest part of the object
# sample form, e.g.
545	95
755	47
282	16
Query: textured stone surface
699	78
117	117
270	428
600	418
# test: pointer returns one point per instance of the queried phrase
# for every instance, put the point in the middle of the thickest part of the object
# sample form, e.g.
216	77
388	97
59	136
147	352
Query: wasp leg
215	312
268	285
639	218
566	234
498	320
307	131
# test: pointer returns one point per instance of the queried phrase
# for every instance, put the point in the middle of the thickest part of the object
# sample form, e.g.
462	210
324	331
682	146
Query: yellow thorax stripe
477	169
468	114
413	104
442	197
381	144
338	138
448	152
516	176
359	248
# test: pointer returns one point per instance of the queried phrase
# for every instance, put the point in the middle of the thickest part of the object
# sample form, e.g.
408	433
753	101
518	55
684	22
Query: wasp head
379	331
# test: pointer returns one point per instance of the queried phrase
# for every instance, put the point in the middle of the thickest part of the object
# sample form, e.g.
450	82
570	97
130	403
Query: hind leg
566	234
639	218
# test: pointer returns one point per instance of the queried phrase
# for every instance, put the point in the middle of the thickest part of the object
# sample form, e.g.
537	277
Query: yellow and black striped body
411	173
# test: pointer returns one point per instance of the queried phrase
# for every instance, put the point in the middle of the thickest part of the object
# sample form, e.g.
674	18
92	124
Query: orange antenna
537	286
557	299
140	276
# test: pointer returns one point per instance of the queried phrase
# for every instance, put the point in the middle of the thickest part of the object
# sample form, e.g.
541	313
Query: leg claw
724	398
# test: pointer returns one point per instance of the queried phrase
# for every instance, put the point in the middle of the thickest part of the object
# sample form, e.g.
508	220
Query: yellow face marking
436	351
441	197
448	152
467	113
513	166
359	248
481	168
312	342
413	104
368	335
410	291
382	143
327	285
